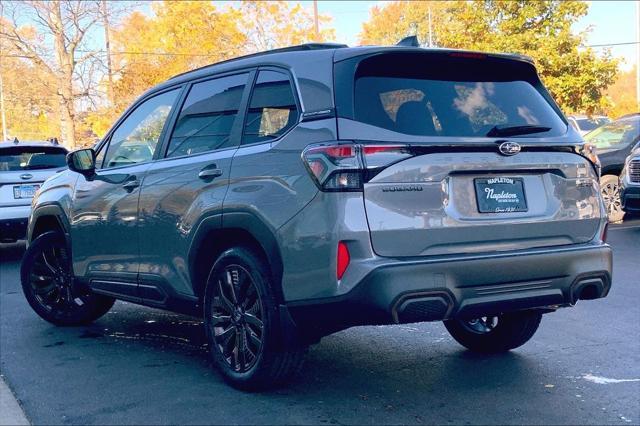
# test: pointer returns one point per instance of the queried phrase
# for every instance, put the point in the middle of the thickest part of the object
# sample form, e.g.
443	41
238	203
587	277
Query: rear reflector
343	259
605	232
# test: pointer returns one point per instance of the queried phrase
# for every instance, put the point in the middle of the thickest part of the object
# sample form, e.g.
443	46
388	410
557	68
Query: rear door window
272	109
430	95
207	116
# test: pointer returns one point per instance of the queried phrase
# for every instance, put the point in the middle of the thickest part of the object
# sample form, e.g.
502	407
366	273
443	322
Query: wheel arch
237	229
614	170
45	218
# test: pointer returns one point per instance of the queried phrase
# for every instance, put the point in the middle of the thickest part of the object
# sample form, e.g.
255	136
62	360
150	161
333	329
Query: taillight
345	167
342	260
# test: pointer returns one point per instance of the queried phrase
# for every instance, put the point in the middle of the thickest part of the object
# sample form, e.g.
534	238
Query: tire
495	334
610	189
242	322
48	284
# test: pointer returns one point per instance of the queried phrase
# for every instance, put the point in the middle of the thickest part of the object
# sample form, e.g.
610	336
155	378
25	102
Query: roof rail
298	48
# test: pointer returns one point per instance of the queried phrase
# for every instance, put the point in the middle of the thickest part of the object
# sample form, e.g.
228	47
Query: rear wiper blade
516	130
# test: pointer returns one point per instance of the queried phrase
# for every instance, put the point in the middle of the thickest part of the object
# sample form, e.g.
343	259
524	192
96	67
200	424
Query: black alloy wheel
48	284
237	318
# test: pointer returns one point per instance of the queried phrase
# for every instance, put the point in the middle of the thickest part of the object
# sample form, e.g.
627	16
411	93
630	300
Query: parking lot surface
138	366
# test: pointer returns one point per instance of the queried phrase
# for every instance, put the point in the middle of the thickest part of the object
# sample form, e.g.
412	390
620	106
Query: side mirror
82	161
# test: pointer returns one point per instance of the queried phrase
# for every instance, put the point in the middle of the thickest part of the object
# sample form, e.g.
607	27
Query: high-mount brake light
347	166
469	55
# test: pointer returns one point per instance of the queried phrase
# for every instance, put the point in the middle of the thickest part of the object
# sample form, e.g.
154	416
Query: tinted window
615	135
272	110
431	95
32	158
207	116
136	138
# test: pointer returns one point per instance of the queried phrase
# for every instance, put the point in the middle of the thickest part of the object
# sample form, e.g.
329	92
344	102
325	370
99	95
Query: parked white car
584	124
24	166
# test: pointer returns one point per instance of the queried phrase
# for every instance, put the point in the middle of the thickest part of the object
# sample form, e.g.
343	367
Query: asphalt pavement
144	366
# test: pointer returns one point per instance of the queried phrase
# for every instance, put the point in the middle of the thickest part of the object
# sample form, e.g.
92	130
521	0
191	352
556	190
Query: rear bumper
13	222
462	287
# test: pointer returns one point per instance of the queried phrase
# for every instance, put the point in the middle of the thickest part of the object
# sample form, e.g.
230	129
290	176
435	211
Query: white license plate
24	191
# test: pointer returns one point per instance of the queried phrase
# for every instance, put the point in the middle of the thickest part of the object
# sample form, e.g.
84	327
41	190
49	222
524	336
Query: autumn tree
272	24
622	94
29	98
51	35
575	75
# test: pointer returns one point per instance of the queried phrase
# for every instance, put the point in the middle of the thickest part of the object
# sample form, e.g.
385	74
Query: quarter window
136	138
207	116
272	110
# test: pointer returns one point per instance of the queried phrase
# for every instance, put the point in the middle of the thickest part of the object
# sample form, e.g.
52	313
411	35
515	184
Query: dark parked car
298	192
630	183
614	142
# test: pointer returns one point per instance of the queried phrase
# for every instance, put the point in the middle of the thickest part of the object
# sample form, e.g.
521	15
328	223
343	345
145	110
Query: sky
610	22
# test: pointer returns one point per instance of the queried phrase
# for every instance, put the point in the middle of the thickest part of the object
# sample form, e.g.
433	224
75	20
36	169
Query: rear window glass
272	110
424	96
31	158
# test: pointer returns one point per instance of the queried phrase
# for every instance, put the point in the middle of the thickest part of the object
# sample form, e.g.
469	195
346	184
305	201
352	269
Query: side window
100	155
272	110
136	138
207	116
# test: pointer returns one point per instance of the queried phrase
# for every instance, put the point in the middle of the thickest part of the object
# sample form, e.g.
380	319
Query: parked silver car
24	166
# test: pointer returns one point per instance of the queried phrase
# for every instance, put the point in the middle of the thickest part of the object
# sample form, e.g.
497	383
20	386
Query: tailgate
430	204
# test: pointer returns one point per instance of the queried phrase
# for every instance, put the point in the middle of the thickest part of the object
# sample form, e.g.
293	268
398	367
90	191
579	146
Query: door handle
210	172
131	185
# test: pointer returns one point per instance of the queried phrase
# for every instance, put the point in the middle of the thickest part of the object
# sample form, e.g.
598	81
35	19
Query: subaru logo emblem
26	176
509	148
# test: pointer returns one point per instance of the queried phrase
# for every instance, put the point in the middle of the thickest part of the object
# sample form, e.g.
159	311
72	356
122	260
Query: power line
614	44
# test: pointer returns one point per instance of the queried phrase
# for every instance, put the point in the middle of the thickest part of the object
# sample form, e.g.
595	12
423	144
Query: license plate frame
25	191
500	194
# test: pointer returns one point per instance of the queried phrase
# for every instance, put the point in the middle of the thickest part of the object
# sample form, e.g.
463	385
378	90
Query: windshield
588	124
422	96
32	158
617	134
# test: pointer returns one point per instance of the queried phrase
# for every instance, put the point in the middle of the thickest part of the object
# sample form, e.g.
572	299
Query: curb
10	410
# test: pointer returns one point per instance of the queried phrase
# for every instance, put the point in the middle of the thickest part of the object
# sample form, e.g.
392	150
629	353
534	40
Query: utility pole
105	20
638	54
315	20
4	119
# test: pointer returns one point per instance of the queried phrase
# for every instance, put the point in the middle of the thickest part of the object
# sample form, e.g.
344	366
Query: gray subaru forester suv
290	194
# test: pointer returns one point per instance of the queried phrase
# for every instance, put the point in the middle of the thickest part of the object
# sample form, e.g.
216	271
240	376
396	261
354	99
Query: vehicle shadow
386	370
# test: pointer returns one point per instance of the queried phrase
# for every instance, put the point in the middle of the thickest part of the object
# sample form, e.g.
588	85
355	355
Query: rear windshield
31	158
436	95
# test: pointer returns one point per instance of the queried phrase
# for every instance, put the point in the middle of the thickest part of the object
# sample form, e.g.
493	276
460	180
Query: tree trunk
65	79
